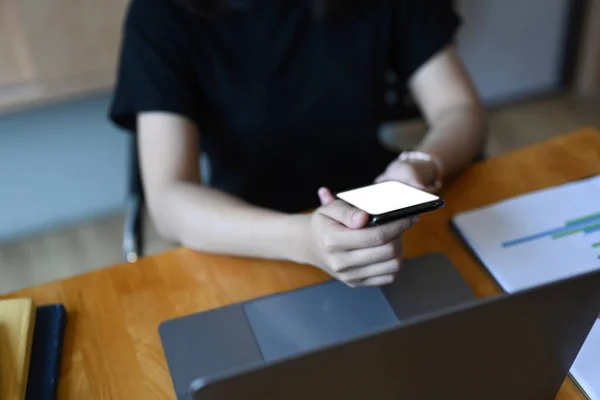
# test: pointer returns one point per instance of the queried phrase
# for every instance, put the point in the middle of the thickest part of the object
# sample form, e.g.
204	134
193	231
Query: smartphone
389	201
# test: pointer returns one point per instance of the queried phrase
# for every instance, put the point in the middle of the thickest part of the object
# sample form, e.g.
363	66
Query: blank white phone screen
384	197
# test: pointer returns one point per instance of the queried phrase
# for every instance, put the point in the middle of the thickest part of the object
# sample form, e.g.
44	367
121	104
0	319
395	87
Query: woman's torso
285	102
288	103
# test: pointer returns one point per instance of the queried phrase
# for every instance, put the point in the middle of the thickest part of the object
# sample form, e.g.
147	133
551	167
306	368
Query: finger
381	178
345	260
414	183
343	213
411	181
397	172
379	280
355	239
389	267
325	196
402	173
374	281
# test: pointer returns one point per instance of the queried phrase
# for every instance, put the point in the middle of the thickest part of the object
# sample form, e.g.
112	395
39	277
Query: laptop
328	341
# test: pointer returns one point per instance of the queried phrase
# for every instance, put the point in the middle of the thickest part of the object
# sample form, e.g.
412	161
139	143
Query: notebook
538	238
17	318
46	352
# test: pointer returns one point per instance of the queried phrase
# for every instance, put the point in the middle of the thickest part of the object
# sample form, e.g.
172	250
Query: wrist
297	241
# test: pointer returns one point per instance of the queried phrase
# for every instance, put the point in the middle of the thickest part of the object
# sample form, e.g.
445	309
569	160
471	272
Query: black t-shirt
284	102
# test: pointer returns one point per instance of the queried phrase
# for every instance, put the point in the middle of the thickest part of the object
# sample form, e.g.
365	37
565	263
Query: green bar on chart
583	219
596	245
575	230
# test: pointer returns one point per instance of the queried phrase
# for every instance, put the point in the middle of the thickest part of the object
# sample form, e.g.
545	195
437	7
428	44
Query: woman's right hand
340	242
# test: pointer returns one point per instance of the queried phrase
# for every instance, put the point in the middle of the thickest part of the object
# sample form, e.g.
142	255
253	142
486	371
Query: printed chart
541	237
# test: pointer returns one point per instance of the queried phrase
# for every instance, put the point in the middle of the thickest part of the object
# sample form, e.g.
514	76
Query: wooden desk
112	348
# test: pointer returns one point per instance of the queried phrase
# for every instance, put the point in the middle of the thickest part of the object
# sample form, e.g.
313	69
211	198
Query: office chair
134	207
133	227
398	106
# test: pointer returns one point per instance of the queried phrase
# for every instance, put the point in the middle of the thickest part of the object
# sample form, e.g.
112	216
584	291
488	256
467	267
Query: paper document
539	238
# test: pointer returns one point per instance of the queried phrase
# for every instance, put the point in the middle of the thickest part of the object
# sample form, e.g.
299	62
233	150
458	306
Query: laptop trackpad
317	316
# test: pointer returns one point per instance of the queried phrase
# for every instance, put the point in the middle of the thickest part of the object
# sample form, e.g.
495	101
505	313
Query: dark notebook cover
46	352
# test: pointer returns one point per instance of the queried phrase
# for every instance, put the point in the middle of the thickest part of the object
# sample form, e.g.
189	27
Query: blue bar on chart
592	229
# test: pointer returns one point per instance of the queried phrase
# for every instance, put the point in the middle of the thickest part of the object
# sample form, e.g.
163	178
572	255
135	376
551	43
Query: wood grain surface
112	348
17	322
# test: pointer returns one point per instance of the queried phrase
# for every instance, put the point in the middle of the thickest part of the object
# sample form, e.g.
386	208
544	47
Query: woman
284	98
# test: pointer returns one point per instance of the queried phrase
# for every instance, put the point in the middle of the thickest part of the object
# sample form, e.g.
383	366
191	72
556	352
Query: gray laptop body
517	346
267	329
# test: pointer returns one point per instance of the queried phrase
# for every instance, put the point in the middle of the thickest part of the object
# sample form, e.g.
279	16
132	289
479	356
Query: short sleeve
420	29
154	72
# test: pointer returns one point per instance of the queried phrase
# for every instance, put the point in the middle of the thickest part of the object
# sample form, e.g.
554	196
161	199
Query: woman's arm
195	215
452	109
334	237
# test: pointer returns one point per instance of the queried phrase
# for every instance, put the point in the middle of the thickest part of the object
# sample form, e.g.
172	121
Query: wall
588	71
56	48
65	162
59	164
513	48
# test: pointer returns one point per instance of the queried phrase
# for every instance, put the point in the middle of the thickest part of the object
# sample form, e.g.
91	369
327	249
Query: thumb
325	196
343	213
381	178
415	183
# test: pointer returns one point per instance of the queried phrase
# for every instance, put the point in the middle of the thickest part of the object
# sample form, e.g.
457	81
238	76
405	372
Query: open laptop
327	341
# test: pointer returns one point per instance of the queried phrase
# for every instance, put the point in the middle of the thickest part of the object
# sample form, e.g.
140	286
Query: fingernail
357	216
386	280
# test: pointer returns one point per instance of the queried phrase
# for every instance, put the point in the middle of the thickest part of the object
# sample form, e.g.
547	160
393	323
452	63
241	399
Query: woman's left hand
411	174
